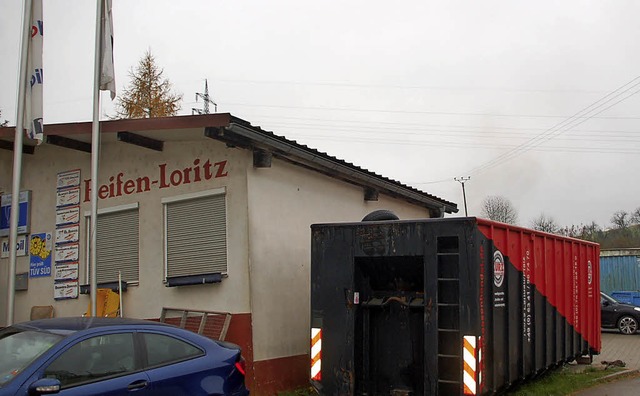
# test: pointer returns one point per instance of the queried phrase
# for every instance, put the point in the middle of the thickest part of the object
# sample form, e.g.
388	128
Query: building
620	270
195	212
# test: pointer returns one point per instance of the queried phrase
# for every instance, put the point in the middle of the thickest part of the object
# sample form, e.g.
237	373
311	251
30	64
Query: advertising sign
66	272
69	252
40	255
21	247
64	290
24	204
67	234
68	197
68	179
69	215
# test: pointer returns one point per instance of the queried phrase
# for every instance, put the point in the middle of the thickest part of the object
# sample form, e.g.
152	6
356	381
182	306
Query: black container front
411	308
389	324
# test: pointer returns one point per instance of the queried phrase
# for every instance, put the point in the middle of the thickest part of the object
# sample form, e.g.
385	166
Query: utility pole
206	99
464	195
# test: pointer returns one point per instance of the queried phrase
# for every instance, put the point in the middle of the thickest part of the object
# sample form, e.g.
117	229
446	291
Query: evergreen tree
149	94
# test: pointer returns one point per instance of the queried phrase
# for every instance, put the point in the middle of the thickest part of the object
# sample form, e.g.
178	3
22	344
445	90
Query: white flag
107	73
33	92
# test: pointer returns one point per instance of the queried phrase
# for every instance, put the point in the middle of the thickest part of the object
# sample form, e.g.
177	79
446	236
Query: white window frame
186	197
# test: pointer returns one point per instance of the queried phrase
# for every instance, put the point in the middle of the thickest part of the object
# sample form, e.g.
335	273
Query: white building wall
269	213
284	201
146	299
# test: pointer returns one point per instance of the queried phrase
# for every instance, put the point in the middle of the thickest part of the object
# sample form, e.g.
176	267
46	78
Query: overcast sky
418	91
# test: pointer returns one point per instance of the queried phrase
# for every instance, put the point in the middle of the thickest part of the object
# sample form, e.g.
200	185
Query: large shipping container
446	306
619	270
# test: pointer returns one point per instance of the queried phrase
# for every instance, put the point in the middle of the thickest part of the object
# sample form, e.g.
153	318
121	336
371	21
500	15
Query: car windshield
606	297
18	348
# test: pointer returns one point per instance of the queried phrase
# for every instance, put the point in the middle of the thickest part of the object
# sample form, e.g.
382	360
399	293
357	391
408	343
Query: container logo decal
498	268
589	272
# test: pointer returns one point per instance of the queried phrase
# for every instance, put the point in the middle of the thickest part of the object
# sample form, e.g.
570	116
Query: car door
607	312
102	365
177	367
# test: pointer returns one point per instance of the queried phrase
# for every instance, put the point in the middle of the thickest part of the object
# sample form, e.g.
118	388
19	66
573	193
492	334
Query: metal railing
211	324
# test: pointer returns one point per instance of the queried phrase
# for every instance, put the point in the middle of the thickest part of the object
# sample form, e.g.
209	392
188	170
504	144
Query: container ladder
449	337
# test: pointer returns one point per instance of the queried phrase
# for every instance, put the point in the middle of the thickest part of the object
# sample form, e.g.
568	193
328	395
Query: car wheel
627	325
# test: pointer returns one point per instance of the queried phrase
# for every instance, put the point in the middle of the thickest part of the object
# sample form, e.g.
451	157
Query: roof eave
310	158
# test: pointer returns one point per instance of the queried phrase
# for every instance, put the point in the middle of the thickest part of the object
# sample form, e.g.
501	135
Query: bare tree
572	231
149	94
635	216
591	232
620	219
499	208
545	224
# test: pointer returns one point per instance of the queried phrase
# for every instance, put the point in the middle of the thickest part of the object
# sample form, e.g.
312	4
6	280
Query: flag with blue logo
33	95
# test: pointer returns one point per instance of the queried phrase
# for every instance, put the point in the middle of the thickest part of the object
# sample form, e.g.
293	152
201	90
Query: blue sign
24	202
40	255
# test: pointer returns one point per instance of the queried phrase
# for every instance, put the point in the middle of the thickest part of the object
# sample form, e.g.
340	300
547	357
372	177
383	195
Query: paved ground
616	346
626	387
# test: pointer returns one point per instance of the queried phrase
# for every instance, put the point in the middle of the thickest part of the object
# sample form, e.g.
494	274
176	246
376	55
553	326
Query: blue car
115	356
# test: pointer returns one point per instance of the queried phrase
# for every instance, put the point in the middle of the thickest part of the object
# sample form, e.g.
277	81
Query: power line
447	180
424	132
360	110
472	145
404	125
577	119
419	87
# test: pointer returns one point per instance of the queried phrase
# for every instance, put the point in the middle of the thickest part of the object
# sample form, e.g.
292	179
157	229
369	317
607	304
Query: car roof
73	324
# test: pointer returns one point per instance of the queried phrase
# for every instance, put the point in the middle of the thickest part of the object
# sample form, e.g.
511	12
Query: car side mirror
606	303
45	386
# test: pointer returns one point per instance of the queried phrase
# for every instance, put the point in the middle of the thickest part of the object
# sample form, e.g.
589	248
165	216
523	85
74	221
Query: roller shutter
196	236
118	246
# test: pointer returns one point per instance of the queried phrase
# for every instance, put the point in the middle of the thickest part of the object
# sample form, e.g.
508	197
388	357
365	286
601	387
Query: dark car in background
114	356
617	315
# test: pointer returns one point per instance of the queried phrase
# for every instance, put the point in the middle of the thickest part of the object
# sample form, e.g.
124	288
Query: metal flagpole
103	79
17	162
95	153
120	291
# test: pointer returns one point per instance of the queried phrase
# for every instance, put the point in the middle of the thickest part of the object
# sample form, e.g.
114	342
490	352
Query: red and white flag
33	93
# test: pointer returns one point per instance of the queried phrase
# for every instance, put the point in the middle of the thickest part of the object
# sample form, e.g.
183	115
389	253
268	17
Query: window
196	234
95	358
19	348
117	247
162	349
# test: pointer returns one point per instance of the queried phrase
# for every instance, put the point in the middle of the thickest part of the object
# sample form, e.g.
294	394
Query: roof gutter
356	176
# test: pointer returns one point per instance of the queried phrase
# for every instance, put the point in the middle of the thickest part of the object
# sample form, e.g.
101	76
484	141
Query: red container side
564	270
